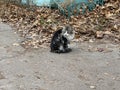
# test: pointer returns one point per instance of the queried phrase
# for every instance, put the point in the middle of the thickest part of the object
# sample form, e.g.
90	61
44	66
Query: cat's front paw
57	51
68	50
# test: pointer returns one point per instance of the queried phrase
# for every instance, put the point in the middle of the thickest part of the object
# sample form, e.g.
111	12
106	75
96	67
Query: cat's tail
67	50
61	51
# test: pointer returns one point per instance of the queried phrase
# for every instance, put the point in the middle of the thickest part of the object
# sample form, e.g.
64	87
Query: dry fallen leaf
99	34
38	26
15	44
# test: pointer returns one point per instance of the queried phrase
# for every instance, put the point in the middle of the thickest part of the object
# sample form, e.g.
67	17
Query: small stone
15	44
91	40
113	78
1	76
100	49
106	74
92	87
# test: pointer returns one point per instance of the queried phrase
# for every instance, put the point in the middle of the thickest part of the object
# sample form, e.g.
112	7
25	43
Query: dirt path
89	66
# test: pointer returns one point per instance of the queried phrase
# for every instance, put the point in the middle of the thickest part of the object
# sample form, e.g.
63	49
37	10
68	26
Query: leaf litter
38	24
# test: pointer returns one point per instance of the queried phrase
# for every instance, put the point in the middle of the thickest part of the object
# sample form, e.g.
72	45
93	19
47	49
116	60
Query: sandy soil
89	66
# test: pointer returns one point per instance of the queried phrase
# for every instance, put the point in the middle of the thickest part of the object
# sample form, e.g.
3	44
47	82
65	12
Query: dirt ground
91	65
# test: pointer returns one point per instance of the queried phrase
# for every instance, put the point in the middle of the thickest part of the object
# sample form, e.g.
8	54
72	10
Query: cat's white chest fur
61	47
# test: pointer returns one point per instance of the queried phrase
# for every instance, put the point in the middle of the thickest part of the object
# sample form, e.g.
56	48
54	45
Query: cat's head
68	32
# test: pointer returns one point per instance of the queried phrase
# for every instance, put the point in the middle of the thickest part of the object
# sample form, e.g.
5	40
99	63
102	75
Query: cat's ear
68	27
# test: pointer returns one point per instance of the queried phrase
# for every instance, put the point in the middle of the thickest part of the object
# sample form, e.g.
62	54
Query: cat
61	38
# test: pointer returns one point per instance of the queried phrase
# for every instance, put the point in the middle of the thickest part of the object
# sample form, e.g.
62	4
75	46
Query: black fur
59	40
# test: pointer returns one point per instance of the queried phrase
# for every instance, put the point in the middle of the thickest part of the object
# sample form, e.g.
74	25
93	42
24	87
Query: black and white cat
61	38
